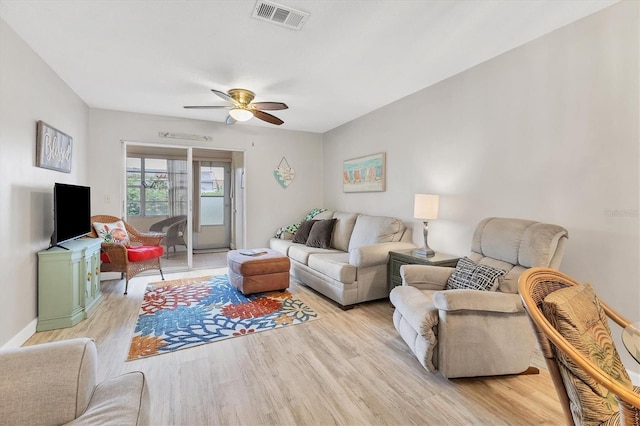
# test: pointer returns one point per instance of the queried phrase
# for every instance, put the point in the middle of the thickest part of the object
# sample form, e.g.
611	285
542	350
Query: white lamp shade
425	206
240	114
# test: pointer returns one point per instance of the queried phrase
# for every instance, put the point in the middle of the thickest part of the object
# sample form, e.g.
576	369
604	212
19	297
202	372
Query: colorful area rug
188	312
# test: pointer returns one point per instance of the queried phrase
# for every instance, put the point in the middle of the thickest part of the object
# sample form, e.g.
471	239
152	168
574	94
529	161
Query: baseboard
24	335
210	250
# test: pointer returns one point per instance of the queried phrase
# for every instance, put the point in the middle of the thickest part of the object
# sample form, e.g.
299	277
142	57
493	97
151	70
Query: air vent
279	15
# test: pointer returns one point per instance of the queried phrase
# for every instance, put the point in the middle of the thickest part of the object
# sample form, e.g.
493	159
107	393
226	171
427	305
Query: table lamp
425	207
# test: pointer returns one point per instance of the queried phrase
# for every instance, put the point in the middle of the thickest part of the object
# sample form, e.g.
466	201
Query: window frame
143	189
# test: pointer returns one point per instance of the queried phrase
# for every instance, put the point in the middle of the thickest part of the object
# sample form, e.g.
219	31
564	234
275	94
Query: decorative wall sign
365	174
284	173
53	148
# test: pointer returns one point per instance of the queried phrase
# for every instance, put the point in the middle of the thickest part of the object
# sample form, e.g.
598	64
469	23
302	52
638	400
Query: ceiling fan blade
225	96
205	106
230	120
267	117
269	106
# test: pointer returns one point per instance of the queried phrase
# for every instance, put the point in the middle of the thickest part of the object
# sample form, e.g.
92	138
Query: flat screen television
71	212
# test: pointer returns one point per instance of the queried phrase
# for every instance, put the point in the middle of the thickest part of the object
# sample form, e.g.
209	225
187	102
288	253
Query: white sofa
354	268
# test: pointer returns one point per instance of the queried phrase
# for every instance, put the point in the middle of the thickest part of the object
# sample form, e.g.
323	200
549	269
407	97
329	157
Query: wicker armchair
560	355
143	254
174	229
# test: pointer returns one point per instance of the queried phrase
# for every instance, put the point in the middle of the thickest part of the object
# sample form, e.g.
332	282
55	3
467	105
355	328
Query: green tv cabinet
68	283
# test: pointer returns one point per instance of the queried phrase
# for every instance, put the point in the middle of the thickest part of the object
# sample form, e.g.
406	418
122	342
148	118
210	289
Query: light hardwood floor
348	368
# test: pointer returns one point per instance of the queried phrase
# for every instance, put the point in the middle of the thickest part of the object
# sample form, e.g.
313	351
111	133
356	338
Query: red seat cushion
139	253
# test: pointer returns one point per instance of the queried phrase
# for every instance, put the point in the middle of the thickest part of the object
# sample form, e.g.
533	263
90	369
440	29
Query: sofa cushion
334	265
300	252
470	276
577	315
280	245
325	214
375	229
320	234
519	242
343	229
302	233
114	232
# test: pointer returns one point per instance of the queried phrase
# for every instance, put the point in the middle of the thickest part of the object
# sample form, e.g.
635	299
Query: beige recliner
469	333
55	383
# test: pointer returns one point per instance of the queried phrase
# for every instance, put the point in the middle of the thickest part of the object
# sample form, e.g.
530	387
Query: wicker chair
173	229
119	258
535	285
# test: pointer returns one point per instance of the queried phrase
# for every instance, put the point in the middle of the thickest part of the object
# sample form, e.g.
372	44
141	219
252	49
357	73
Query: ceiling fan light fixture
240	114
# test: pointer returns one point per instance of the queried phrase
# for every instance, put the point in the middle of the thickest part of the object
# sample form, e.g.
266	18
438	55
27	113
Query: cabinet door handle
89	276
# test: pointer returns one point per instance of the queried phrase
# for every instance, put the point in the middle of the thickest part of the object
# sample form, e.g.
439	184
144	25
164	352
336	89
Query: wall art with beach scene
365	174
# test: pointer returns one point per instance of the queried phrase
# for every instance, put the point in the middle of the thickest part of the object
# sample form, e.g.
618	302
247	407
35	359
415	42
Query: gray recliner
55	383
469	333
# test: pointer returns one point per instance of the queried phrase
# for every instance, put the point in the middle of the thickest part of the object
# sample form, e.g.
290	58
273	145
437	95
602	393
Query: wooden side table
410	257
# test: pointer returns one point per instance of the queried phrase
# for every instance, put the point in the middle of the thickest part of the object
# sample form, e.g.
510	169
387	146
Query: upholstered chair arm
425	277
117	253
376	254
476	300
122	400
50	383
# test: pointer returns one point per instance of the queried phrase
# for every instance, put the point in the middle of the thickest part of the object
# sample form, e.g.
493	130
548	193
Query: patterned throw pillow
313	213
470	276
112	232
291	229
578	316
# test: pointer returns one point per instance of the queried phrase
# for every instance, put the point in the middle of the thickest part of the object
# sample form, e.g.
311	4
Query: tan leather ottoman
255	274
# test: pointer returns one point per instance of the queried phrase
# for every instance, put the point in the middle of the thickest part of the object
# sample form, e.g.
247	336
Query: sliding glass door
157	189
212	209
189	195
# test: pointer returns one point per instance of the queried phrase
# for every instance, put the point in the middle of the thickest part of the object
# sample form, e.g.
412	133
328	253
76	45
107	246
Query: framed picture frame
54	149
365	174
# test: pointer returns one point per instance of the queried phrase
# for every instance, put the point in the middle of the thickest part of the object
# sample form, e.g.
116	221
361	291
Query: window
211	194
152	184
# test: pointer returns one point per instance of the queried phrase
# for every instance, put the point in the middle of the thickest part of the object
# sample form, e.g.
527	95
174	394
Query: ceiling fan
242	109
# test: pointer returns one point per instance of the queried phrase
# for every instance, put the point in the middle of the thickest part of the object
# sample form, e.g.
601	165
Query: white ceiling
350	57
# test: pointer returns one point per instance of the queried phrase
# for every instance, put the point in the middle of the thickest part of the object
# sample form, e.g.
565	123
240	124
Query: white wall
268	206
548	131
29	91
